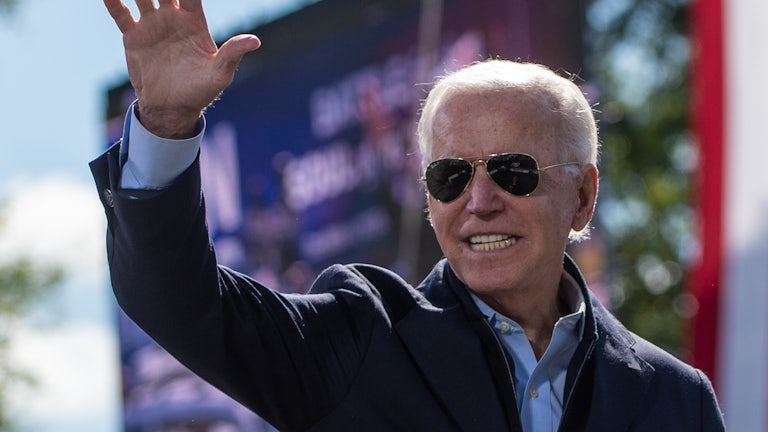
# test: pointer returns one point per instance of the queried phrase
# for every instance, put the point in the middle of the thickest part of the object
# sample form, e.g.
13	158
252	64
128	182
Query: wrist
169	123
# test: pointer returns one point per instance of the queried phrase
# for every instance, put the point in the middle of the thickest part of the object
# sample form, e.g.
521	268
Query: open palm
173	62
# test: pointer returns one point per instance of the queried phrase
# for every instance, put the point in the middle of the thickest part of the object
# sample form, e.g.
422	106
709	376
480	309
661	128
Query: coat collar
621	378
618	378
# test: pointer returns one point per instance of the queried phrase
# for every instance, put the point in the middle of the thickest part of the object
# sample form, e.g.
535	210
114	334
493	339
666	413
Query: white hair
560	96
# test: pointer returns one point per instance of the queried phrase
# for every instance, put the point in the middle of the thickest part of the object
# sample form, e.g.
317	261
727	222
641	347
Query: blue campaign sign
323	148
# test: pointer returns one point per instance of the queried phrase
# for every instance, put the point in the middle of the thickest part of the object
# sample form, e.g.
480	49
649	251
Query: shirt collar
568	292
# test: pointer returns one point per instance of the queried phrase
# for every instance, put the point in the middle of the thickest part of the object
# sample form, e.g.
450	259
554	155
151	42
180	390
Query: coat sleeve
262	348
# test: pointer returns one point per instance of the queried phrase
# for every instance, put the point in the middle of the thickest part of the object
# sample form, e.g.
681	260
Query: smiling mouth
484	243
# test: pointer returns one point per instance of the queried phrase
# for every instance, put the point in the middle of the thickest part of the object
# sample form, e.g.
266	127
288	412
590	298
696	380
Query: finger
145	6
166	2
120	13
232	51
237	46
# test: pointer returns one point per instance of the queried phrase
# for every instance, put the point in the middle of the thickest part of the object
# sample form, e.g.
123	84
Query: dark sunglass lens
447	178
517	174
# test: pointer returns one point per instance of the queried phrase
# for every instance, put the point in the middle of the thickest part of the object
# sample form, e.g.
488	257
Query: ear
428	211
587	194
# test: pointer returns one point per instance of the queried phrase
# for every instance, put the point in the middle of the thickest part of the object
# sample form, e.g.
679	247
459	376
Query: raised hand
173	62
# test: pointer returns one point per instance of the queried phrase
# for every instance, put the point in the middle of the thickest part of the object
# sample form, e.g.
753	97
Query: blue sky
59	58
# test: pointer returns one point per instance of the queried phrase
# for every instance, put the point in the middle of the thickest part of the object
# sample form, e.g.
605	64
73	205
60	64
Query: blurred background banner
309	157
731	280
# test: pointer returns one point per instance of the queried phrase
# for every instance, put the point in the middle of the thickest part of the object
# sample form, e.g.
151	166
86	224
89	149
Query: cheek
561	214
551	215
439	218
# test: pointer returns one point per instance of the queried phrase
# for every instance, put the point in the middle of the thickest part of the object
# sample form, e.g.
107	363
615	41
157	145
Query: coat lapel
443	346
621	380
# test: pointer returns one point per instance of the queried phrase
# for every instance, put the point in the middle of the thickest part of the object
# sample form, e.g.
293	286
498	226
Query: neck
536	312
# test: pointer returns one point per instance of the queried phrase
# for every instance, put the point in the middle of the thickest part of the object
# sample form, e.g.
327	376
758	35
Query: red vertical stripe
708	102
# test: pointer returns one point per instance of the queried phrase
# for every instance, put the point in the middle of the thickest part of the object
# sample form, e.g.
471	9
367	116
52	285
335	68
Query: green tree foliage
640	55
7	6
23	285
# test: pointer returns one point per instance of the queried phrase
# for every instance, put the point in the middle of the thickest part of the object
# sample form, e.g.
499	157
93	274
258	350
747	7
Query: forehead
482	122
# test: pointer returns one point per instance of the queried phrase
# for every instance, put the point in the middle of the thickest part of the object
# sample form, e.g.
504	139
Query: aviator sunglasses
516	173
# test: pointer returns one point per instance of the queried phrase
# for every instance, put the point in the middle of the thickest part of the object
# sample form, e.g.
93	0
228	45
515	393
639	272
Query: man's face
497	243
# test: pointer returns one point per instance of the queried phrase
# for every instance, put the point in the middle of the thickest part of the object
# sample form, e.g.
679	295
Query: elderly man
503	334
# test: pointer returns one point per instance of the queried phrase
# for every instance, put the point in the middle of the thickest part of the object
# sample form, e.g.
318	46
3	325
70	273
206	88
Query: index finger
120	13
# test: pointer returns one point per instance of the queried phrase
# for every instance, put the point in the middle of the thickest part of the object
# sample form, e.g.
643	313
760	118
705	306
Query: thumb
232	51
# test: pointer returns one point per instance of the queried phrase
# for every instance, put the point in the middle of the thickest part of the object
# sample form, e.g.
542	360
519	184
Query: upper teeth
490	242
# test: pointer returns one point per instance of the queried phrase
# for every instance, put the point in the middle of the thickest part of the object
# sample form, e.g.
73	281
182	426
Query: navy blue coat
364	351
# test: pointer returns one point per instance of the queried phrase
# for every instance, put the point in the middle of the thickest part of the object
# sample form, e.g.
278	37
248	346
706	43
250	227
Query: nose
483	193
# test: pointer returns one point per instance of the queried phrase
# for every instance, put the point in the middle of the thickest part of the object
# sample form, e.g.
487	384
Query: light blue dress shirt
540	385
152	162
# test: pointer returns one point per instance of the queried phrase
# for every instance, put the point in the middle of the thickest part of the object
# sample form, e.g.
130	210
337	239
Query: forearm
164	275
154	245
162	263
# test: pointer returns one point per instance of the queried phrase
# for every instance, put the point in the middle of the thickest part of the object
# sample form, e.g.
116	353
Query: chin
483	284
